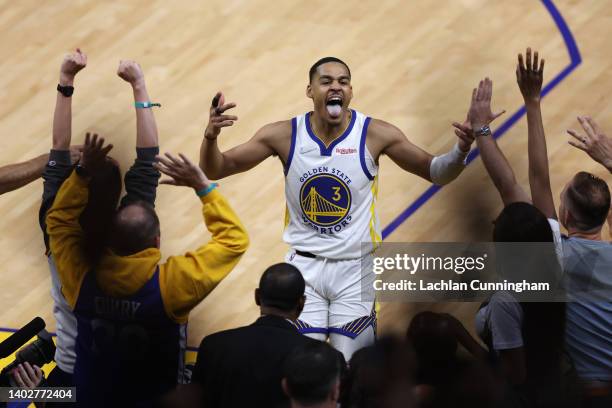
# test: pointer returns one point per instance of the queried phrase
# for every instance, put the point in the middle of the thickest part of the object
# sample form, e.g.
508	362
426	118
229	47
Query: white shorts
338	298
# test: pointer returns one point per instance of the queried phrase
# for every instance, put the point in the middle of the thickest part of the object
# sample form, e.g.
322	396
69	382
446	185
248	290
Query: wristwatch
483	131
82	171
65	90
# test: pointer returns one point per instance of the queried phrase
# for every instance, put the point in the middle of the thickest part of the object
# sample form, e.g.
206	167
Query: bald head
281	287
135	228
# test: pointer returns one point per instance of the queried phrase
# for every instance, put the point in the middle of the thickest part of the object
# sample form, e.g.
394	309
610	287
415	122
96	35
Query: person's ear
309	91
257	298
300	305
285	387
335	392
158	241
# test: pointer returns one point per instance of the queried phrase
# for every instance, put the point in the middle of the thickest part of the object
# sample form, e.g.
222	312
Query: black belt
306	254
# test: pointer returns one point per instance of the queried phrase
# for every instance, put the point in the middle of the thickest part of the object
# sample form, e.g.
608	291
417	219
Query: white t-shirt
503	318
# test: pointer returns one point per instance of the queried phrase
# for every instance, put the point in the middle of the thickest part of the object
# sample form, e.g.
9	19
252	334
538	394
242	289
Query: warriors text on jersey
331	191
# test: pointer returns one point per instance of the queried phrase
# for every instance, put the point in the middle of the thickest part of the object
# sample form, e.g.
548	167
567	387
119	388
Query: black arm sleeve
141	179
57	170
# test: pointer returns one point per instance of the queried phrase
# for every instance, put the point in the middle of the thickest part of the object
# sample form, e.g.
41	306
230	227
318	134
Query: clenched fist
130	72
72	63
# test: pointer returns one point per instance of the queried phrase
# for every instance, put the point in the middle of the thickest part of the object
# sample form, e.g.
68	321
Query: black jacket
243	367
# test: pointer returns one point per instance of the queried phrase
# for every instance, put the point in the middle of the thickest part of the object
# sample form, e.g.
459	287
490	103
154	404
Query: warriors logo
325	200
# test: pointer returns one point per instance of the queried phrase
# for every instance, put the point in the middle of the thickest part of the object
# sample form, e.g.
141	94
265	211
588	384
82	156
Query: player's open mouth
334	106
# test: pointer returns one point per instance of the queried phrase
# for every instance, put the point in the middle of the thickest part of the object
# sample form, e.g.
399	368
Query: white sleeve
447	167
506	322
556	230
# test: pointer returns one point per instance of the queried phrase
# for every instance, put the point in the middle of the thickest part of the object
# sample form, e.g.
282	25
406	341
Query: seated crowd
130	352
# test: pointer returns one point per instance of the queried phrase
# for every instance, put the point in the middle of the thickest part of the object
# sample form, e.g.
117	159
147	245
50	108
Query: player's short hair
325	60
589	201
131	234
281	286
311	372
522	222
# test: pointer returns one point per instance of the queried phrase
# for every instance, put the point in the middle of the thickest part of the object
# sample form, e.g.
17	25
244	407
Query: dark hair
96	218
132	233
322	61
435	346
380	375
543	325
589	197
281	286
311	372
522	222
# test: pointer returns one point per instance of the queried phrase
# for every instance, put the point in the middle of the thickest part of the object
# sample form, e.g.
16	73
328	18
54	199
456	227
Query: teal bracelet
206	190
144	105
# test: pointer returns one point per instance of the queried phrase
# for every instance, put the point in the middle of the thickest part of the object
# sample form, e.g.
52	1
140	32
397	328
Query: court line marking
575	60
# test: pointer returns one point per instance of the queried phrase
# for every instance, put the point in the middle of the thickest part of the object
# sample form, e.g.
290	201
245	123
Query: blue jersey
128	351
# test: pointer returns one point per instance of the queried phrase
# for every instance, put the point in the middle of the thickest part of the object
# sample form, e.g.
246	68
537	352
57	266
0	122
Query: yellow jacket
184	280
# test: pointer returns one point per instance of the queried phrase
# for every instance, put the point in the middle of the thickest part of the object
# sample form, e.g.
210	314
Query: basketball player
330	160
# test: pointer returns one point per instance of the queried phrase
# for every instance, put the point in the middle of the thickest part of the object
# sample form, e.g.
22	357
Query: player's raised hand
530	75
594	142
480	113
130	72
94	152
72	63
465	134
217	119
182	172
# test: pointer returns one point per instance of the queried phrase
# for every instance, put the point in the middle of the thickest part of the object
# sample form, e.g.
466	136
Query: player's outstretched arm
186	280
146	128
396	145
440	169
495	162
529	76
594	142
218	165
61	159
14	176
62	117
141	179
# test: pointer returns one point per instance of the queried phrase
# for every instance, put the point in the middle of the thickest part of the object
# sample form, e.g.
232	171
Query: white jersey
331	192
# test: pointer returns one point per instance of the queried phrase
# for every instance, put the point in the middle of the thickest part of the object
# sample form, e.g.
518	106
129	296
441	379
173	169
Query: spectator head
435	345
104	192
381	376
281	291
585	202
472	384
135	228
311	375
522	222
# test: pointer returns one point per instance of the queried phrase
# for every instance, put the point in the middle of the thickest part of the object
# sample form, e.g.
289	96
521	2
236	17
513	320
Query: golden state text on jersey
331	191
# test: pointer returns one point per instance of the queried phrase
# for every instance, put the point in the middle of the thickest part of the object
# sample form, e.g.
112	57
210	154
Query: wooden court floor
414	64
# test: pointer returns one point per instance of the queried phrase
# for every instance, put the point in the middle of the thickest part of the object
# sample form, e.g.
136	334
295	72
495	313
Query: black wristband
65	90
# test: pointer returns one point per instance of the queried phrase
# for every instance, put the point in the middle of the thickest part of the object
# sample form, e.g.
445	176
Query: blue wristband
206	190
144	105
